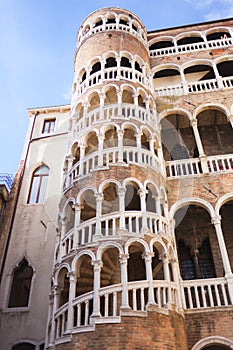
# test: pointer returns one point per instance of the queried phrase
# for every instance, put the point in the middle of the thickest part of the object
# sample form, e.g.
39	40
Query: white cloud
213	9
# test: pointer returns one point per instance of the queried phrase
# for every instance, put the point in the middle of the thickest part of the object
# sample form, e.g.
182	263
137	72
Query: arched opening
216	347
125	62
196	73
95	68
110	96
166	78
129	138
69	216
189	40
136	264
64	286
111	19
178	141
75	151
225	68
198	250
79	111
215	131
222	34
94	101
83	76
85	275
151	198
162	44
110	202
127	97
21	285
157	265
227	224
110	137
111	271
132	198
145	140
137	67
124	21
99	22
91	143
110	62
88	205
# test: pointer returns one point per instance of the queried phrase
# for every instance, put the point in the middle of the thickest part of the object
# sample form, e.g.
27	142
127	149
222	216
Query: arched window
38	185
21	285
23	346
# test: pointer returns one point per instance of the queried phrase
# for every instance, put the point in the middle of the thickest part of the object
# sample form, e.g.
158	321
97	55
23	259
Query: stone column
118	60
56	295
226	262
120	135
149	276
102	98
184	82
72	291
99	199
77	208
167	276
218	77
124	281
121	195
139	146
82	146
175	273
202	155
100	149
142	193
119	102
96	301
225	259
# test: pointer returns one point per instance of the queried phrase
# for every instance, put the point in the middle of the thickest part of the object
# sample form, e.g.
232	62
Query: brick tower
122	212
115	267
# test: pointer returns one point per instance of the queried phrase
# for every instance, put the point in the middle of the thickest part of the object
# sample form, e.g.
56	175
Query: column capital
147	256
123	258
193	122
98	264
99	196
72	276
216	220
142	192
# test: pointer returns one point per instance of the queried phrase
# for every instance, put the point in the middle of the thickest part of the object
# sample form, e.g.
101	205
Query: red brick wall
156	331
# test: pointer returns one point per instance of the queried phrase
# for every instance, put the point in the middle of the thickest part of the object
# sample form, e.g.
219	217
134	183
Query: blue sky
37	45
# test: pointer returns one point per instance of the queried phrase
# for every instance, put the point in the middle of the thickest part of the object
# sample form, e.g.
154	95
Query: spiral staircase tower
115	279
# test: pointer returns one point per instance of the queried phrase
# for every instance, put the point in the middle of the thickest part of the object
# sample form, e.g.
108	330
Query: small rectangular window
48	126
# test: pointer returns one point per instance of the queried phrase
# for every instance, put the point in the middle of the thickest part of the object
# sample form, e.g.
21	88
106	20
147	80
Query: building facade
121	236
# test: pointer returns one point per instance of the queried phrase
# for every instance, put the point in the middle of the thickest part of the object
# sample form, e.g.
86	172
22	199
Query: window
21	286
48	126
38	185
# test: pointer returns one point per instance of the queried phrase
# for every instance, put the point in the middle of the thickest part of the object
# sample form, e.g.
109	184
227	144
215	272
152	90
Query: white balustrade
202	85
220	163
174	90
110	156
205	293
111	73
60	319
227	82
110	224
110	27
184	167
112	111
213	44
